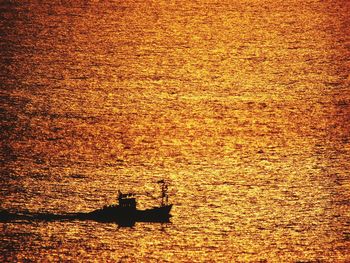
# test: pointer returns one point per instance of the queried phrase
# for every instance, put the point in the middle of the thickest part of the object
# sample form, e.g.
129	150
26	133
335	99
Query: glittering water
243	106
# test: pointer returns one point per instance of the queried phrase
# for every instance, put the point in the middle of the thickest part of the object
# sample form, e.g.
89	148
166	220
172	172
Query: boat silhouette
124	213
126	209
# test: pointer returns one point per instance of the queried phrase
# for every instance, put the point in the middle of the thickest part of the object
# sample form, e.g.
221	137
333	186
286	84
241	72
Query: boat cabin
126	200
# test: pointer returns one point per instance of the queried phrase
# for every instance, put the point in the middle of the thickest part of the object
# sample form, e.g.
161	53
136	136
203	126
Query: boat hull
154	214
120	214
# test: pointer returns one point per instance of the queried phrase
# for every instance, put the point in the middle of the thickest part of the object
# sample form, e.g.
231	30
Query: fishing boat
126	209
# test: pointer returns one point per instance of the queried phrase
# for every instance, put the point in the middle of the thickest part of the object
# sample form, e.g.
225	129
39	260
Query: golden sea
242	106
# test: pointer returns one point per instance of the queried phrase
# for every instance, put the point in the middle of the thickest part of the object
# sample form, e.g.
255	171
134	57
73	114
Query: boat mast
164	196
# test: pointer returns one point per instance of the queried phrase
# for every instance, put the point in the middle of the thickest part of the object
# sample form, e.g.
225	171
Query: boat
126	211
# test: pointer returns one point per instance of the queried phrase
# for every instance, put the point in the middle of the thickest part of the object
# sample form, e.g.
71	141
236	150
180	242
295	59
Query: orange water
243	106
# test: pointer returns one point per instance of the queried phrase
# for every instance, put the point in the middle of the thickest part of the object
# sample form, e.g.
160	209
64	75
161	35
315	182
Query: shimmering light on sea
243	106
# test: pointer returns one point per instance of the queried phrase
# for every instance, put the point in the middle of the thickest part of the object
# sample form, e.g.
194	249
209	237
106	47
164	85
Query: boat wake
6	216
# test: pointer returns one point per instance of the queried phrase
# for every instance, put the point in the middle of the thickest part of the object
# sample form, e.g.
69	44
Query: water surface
243	106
